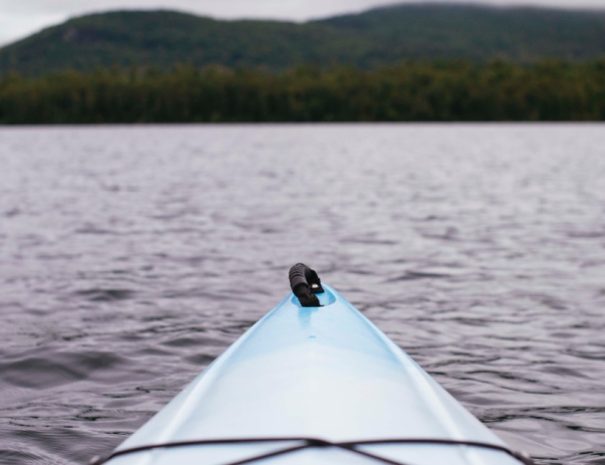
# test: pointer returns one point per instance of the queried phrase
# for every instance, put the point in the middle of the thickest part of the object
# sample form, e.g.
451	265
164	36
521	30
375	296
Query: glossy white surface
323	372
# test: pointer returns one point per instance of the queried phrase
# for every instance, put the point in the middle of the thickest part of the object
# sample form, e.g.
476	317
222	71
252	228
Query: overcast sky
19	18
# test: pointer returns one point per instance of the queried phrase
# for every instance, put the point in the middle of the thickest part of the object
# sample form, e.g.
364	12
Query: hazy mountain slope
477	32
376	37
164	38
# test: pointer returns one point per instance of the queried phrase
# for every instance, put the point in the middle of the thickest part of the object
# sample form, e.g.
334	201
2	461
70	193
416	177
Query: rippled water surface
131	257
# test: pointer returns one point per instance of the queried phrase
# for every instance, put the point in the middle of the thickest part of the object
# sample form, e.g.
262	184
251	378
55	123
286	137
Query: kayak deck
314	372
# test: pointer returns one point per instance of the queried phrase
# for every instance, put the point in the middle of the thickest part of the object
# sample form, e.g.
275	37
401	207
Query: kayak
313	382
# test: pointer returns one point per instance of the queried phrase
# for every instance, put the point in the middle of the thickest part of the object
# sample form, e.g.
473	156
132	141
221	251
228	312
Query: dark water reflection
131	257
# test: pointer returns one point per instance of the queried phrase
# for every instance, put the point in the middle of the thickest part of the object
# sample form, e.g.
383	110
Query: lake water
130	257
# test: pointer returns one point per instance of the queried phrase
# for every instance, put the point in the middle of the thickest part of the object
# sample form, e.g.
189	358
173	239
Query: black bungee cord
309	443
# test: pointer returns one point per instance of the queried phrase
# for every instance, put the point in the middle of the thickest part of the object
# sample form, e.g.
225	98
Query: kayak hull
321	372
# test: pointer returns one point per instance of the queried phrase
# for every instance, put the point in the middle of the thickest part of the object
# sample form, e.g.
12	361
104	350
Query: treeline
500	91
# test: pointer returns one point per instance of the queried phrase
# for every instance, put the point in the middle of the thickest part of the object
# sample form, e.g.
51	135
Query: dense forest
413	91
375	38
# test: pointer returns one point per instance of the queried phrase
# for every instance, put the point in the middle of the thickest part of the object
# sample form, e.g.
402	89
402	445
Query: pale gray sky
18	18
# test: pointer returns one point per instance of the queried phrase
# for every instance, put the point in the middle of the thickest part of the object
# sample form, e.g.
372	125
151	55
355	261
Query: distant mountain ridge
376	37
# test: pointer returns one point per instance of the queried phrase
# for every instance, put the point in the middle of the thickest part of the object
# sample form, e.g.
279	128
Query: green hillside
377	37
472	32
